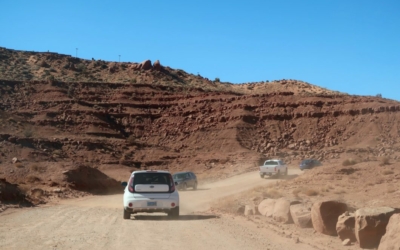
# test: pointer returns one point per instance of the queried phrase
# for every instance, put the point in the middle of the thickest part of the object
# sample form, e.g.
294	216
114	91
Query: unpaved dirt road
96	222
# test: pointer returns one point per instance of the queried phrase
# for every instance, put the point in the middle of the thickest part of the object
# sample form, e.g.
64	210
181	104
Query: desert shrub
71	90
37	168
339	192
57	152
349	162
296	192
385	161
131	139
28	132
43	63
224	161
311	192
325	189
387	172
19	165
81	67
217	79
37	193
32	179
272	193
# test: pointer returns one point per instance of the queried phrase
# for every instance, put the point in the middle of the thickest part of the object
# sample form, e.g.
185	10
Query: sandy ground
96	223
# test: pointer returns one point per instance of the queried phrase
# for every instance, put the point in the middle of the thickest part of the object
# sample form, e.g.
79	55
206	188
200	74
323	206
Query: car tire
174	213
195	186
127	215
262	176
184	186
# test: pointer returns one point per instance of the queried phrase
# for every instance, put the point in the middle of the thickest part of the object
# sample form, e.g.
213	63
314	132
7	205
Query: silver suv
150	192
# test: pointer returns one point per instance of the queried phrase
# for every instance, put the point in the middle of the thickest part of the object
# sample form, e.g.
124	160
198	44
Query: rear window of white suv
151	182
152	178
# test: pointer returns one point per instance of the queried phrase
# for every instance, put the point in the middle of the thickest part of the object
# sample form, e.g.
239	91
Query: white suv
150	192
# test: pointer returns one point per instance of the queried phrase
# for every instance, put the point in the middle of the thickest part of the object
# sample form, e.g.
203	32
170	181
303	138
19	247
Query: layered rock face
111	123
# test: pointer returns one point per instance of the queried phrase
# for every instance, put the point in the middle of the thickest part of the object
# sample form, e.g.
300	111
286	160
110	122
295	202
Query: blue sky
352	46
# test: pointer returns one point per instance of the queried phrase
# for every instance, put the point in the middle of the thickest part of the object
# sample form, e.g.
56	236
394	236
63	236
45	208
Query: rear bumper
149	210
268	173
150	205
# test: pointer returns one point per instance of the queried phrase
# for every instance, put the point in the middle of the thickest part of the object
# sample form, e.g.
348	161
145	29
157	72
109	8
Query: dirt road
96	223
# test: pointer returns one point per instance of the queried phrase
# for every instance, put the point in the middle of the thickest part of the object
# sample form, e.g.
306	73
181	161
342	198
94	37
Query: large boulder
282	210
145	65
345	227
301	215
371	225
325	214
391	239
266	207
157	65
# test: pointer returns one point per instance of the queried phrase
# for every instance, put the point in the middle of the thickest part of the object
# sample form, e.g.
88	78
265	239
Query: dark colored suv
184	180
309	163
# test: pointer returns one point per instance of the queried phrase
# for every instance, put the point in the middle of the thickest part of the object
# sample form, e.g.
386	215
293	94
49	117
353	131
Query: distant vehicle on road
273	167
150	192
309	163
185	180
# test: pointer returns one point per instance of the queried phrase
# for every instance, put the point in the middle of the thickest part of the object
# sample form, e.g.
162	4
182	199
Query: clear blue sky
351	46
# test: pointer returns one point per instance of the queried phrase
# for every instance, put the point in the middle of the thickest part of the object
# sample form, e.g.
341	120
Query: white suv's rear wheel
174	213
127	215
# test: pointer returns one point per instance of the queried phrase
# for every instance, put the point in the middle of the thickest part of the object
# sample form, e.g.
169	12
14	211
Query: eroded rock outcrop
325	214
157	65
282	210
301	215
345	227
391	239
371	225
266	207
145	65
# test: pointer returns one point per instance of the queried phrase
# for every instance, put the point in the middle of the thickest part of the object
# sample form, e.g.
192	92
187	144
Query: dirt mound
91	180
11	194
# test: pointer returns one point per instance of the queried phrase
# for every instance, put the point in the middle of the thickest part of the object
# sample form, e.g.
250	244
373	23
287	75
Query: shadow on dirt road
181	217
193	190
283	177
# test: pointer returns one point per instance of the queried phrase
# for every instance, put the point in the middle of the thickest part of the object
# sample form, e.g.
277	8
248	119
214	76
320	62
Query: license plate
151	203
